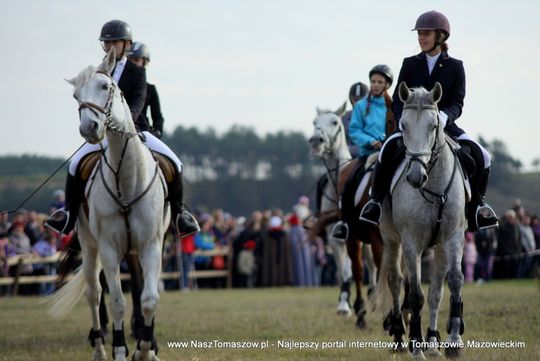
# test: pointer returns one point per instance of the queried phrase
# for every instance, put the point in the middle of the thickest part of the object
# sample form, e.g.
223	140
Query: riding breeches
152	142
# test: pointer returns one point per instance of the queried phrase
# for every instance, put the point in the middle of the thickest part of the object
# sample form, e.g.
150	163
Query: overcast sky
265	64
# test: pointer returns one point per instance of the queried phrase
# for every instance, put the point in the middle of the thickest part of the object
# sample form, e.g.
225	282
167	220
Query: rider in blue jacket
370	120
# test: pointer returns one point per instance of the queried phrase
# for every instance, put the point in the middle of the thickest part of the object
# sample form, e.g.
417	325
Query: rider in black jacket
433	65
131	79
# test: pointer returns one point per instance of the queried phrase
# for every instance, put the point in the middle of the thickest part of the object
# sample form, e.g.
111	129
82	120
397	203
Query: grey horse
426	209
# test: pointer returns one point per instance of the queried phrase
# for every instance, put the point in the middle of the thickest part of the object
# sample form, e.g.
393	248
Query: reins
43	183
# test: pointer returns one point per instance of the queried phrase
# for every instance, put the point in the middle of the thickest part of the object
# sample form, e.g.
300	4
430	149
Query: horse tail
64	299
381	300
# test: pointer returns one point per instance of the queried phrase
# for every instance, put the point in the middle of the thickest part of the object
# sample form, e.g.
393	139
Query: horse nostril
320	139
424	178
95	125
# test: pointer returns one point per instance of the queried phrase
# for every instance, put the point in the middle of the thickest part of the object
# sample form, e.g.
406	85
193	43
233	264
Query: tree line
239	170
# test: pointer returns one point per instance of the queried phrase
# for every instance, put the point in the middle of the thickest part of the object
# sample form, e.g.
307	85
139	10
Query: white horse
328	142
125	212
427	207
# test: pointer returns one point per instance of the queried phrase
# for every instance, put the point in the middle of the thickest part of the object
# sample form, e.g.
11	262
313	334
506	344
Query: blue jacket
366	129
447	71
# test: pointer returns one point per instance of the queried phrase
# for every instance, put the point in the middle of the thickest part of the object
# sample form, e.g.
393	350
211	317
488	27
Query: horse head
98	94
423	134
327	132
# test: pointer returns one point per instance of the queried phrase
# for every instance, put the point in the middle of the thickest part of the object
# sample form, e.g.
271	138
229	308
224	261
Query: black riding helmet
358	90
115	30
385	71
139	50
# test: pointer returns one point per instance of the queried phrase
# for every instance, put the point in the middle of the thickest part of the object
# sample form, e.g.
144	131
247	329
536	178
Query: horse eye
105	86
335	122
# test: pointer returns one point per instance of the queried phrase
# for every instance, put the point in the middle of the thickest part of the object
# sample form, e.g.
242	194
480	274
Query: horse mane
83	77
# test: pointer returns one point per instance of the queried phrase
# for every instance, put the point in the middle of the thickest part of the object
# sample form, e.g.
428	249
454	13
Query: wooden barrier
20	260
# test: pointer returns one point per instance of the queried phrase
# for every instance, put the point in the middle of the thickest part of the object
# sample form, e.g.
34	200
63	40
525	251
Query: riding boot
185	222
391	156
479	214
63	219
372	210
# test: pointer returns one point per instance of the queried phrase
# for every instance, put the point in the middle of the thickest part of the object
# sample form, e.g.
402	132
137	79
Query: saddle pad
362	187
87	165
166	166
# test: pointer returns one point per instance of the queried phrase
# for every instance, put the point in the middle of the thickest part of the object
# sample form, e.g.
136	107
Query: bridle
435	150
332	173
439	198
107	108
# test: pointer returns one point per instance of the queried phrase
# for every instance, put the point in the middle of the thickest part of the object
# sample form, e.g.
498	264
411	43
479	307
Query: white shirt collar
120	65
431	61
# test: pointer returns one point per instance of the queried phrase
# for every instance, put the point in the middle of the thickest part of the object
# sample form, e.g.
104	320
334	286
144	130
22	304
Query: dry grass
506	311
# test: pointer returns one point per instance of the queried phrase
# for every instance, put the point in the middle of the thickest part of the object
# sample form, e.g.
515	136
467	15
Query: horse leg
344	276
355	254
136	283
371	267
416	297
147	347
393	323
455	326
91	271
434	300
117	302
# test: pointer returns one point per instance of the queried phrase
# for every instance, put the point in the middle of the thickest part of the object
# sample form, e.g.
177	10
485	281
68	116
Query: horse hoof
453	352
99	354
344	309
361	323
433	353
344	312
400	349
418	354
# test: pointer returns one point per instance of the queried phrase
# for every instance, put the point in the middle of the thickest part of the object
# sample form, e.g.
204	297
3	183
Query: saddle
88	164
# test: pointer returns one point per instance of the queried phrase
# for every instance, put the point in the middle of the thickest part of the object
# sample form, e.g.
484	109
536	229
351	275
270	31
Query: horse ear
436	93
404	92
318	111
109	62
341	110
71	81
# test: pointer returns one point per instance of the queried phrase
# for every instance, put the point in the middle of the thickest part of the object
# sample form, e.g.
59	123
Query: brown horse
359	232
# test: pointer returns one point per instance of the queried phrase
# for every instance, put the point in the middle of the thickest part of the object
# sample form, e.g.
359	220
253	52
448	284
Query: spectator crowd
268	248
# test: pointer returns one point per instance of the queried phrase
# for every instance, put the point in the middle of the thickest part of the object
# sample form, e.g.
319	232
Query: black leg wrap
360	311
415	333
147	335
346	287
359	306
119	340
456	311
431	333
397	326
93	335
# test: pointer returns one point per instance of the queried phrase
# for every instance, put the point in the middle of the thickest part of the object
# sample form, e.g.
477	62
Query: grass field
499	311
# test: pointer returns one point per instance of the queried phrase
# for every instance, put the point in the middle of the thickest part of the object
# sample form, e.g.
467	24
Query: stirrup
186	224
340	231
59	221
485	217
371	212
